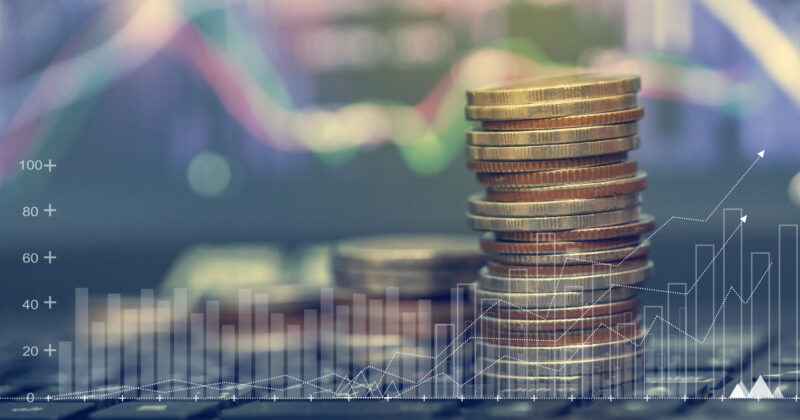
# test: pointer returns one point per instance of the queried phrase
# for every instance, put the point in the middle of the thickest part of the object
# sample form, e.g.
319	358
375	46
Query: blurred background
297	122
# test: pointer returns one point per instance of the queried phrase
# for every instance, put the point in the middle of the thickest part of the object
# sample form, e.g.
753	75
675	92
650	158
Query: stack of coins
558	297
413	282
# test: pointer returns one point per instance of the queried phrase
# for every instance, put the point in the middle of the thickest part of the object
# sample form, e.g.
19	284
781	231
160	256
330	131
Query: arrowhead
761	154
743	219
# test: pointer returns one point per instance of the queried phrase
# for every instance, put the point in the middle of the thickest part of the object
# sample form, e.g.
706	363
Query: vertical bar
245	336
424	344
327	348
757	277
747	297
179	344
343	347
293	362
310	353
392	330
359	331
277	350
130	352
197	361
731	222
409	362
791	251
456	294
65	368
98	358
476	331
440	367
147	331
228	360
113	340
669	318
453	360
261	338
375	344
164	357
82	339
212	348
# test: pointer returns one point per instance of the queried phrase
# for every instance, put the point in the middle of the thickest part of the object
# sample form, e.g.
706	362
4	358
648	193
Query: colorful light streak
428	134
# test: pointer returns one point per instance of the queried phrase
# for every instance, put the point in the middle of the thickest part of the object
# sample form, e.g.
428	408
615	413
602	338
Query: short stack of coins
558	301
407	285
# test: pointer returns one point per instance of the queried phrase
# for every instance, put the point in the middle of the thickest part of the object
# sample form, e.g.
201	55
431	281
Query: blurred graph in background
219	98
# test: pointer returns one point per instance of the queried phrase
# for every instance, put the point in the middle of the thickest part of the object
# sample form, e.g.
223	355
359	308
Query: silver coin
582	257
478	205
550	136
550	224
568	367
514	386
408	251
544	284
551	300
554	151
589	349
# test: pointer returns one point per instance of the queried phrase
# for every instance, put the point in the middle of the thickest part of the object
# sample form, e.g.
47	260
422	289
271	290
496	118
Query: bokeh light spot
209	174
794	189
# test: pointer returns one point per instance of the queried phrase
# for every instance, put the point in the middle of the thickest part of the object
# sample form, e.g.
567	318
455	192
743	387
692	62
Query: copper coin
488	245
601	118
570	191
521	326
565	313
561	176
507	166
597	335
644	224
502	269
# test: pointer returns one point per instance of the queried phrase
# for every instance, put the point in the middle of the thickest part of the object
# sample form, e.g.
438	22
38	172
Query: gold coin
510	166
553	136
559	176
602	118
571	86
553	151
480	206
570	191
551	109
552	223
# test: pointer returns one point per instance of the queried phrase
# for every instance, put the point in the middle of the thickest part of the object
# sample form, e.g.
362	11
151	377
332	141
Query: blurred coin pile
561	212
412	282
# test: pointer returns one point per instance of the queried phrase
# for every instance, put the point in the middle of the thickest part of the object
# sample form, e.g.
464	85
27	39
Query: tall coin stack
558	297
